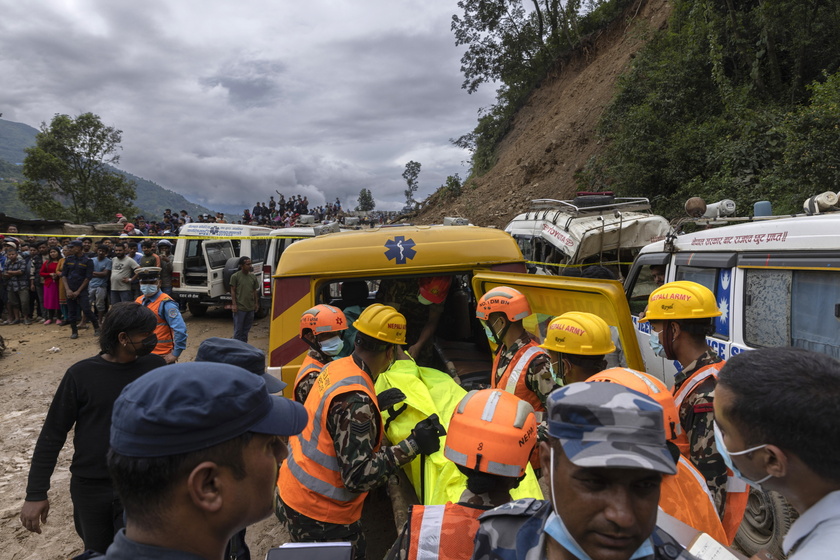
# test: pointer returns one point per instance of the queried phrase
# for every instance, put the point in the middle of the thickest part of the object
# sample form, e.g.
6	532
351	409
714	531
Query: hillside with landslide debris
554	134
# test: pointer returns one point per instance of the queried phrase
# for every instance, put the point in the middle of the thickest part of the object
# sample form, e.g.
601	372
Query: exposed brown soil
553	135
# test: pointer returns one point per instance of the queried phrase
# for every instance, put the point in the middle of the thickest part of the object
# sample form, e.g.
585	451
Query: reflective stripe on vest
309	363
520	362
696	379
166	339
701	480
428	547
442	532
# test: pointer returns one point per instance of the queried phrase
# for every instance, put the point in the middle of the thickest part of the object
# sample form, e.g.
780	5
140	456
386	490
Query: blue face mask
148	290
727	458
332	346
557	530
655	344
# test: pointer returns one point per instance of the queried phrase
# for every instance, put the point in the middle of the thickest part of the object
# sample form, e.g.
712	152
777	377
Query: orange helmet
505	300
649	385
322	318
492	431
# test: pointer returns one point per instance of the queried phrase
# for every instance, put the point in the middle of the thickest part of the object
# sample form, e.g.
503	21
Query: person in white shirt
777	416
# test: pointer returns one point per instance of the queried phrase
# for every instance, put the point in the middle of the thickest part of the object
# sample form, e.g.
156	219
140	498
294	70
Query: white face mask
727	458
332	346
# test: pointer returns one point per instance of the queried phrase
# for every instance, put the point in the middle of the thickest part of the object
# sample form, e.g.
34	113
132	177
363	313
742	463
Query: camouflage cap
608	425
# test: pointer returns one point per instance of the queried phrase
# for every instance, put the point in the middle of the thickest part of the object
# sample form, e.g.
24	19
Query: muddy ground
29	376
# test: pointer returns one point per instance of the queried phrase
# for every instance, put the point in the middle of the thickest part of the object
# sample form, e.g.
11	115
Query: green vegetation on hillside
514	44
735	100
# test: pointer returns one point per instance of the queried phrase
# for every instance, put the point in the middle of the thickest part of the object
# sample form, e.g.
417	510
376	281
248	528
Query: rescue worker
579	341
681	316
321	327
607	456
776	415
421	304
171	330
685	495
491	436
520	366
339	456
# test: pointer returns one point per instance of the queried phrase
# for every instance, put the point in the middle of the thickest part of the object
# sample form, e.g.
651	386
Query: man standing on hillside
245	298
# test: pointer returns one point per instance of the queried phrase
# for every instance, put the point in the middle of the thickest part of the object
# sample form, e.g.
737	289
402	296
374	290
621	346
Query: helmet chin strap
501	336
667	341
317	347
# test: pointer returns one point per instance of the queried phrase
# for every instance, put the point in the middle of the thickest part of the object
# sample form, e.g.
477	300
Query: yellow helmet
382	322
681	300
576	332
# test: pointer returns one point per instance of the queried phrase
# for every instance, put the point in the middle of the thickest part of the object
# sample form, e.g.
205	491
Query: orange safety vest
737	491
310	479
686	497
166	339
442	532
513	379
309	365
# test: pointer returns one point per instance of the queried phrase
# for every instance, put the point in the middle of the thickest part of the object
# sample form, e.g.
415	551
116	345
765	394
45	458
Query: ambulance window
814	301
218	254
642	280
524	243
259	248
767	307
703	276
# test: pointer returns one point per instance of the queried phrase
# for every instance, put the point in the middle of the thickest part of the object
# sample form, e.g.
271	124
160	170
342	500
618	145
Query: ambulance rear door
550	296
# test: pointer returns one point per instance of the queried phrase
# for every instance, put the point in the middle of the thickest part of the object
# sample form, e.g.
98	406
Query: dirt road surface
29	376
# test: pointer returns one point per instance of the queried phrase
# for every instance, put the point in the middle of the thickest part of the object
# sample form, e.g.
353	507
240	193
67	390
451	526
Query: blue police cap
238	353
186	407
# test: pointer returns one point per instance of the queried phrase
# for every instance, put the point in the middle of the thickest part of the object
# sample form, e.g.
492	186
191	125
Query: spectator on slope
51	279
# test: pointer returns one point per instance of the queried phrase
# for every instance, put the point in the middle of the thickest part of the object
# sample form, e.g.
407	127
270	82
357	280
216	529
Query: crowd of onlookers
285	211
32	272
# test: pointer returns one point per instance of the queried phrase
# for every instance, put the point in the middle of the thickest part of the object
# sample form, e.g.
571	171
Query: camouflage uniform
402	296
353	423
539	377
305	385
697	419
515	531
598	425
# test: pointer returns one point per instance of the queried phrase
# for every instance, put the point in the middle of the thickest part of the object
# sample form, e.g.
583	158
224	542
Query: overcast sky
226	101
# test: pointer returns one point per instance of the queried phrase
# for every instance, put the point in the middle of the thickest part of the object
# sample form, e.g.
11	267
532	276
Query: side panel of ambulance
475	258
206	259
777	283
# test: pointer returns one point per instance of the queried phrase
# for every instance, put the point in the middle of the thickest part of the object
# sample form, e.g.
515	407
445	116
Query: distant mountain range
152	199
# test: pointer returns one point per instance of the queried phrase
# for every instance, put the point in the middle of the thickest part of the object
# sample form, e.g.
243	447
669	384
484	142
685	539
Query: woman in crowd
52	278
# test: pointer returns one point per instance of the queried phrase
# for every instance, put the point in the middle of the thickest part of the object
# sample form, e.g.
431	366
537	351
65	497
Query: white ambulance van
593	228
204	261
777	283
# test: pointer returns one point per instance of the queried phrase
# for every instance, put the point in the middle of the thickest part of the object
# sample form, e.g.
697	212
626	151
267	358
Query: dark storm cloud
227	102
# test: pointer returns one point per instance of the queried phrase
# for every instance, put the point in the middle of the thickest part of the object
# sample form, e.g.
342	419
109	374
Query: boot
95	327
75	334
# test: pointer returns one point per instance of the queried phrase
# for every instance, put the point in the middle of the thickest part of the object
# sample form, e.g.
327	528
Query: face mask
332	346
423	300
148	290
557	530
727	458
655	344
146	345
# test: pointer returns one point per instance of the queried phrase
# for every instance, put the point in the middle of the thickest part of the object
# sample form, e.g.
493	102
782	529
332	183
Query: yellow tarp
429	391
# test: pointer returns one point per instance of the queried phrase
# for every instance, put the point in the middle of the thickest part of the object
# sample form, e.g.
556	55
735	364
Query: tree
68	175
366	202
412	171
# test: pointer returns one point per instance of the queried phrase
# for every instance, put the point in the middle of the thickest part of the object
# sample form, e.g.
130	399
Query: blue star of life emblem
214	230
400	249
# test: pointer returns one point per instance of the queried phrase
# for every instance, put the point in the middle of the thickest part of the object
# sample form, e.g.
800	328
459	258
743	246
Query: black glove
389	397
426	434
